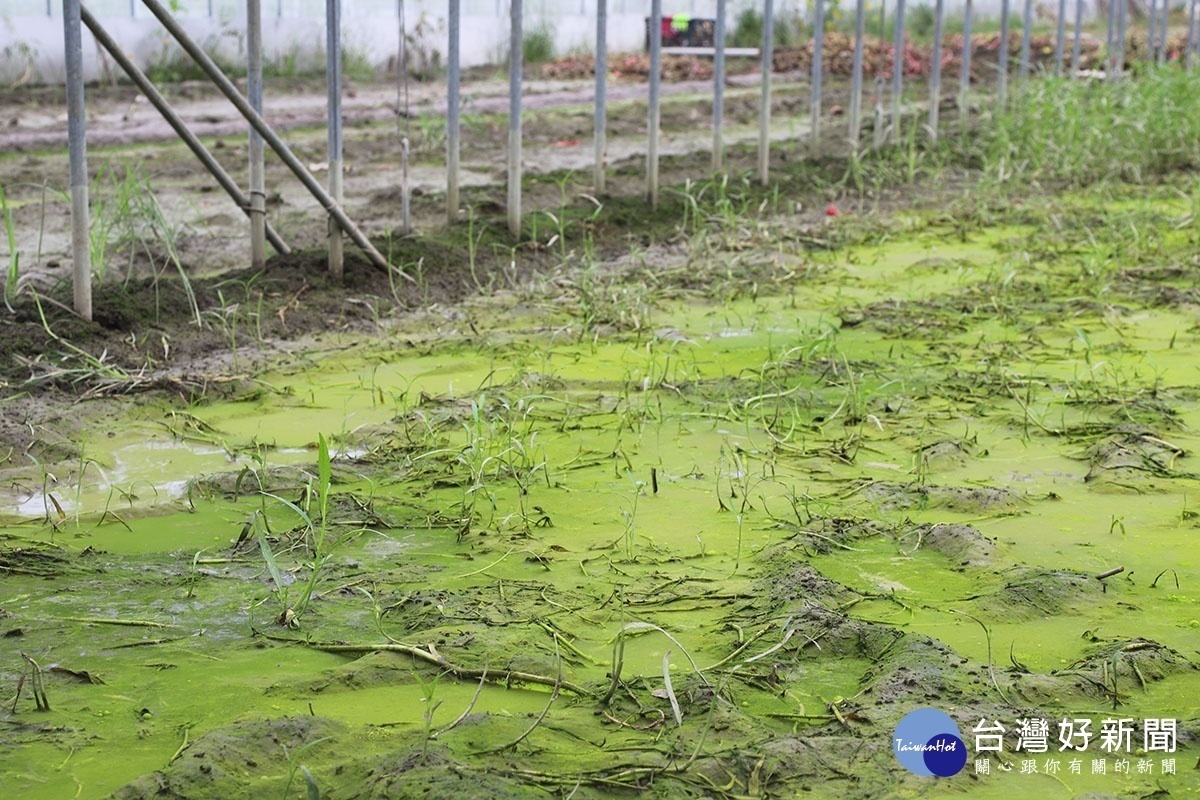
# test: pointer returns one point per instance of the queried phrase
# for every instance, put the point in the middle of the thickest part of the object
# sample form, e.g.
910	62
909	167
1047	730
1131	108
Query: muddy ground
695	502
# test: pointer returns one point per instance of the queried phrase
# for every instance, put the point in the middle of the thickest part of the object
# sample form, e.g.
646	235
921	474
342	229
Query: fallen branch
432	656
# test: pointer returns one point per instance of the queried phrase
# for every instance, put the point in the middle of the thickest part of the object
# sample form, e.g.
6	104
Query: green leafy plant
320	542
538	45
13	273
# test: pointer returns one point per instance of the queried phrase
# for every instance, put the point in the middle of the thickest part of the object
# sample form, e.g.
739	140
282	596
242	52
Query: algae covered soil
704	518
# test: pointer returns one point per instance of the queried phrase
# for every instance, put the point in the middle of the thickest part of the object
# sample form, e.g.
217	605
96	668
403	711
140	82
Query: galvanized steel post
1190	45
935	71
77	143
856	72
181	130
964	77
333	82
1077	39
254	94
600	120
718	145
897	69
226	87
1060	36
516	56
1002	55
1152	29
764	109
452	107
403	108
1110	36
1162	34
1122	27
653	121
1026	35
818	69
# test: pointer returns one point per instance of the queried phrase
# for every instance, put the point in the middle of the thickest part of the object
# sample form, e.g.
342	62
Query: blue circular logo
927	742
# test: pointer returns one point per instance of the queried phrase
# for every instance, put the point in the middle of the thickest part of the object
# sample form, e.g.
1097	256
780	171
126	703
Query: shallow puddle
780	522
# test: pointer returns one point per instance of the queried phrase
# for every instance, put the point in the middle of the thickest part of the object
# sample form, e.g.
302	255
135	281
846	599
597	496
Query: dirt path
121	116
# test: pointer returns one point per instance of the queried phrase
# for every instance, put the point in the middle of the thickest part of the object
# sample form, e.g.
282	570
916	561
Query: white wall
31	30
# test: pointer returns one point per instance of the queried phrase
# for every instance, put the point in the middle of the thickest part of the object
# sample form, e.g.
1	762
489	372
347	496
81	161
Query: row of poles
330	198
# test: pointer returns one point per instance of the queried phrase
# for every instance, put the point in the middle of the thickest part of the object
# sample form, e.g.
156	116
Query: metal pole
1110	37
254	93
1152	29
181	130
935	71
402	96
818	70
718	145
600	122
1060	37
1162	34
333	85
1026	34
764	110
856	75
269	136
1122	20
653	122
453	137
1077	40
516	50
1002	54
897	69
1190	44
77	141
964	76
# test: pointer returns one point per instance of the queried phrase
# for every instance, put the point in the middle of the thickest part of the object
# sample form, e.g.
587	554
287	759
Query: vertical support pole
402	108
1162	33
1190	44
1060	37
254	94
718	145
1152	29
516	55
600	122
77	139
897	70
1002	54
964	75
856	73
1122	26
1110	37
453	135
1077	39
1026	35
935	71
516	59
333	80
653	122
764	109
818	67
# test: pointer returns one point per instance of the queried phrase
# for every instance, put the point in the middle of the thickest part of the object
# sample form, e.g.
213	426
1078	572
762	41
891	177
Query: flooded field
701	515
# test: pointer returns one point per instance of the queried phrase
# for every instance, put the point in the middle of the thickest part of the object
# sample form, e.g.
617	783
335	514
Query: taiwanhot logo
927	742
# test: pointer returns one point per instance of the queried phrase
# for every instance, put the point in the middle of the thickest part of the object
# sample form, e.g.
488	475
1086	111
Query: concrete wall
31	35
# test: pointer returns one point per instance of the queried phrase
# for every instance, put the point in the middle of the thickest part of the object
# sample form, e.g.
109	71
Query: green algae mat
752	514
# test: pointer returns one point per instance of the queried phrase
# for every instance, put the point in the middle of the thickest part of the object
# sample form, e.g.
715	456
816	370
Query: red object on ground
832	211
